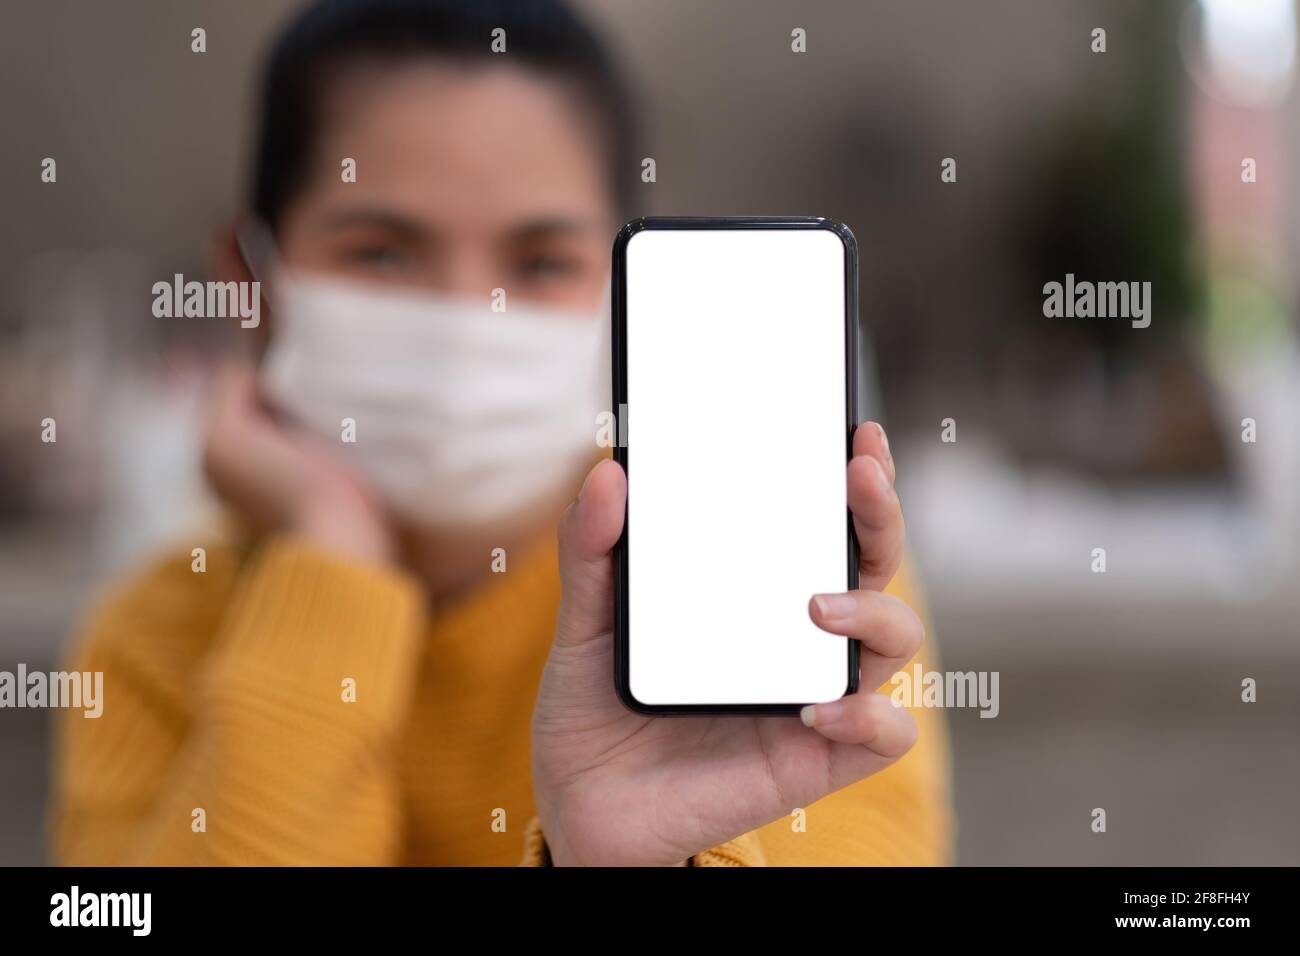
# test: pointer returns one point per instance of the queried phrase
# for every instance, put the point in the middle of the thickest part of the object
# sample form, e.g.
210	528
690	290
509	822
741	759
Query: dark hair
331	34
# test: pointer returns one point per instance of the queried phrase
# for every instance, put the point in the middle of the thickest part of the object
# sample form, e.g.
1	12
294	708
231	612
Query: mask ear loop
257	248
605	362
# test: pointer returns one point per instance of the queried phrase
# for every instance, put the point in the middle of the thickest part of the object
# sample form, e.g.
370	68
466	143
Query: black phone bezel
618	294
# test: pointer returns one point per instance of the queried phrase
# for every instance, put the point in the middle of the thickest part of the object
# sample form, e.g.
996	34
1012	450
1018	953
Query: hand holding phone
618	787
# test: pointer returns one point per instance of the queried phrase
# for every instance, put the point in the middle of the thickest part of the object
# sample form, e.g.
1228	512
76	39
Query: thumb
587	533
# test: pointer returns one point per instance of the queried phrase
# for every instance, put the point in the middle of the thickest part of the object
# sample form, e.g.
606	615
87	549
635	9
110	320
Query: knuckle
894	731
867	723
908	734
913	631
903	630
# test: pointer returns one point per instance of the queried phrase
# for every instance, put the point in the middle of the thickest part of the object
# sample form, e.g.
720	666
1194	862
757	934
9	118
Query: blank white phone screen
736	431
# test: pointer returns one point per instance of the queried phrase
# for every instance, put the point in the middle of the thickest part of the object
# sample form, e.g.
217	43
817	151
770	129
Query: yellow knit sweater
226	739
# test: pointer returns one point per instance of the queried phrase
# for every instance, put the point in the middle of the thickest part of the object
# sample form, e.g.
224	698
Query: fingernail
819	715
835	607
881	476
884	439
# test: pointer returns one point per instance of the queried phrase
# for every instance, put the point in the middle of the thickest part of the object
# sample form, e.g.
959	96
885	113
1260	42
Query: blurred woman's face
468	178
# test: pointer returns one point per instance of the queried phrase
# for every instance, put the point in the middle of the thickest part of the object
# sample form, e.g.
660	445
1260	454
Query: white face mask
463	415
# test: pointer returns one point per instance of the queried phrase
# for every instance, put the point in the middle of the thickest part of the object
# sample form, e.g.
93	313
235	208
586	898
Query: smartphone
734	381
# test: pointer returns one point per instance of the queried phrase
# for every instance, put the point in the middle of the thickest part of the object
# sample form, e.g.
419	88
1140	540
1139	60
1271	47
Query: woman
380	665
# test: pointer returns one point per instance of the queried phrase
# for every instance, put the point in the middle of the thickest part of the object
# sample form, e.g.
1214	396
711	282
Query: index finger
877	512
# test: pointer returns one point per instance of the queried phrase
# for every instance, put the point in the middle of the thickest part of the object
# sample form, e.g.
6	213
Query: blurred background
1118	690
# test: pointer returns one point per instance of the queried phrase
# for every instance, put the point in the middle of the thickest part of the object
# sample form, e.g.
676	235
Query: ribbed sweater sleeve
745	850
275	746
